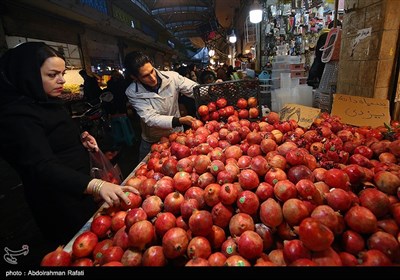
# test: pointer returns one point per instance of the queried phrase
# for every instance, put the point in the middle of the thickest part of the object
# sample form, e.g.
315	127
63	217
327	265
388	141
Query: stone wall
367	62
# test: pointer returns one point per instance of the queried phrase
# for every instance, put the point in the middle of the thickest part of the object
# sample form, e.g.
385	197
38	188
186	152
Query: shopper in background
317	68
42	143
193	72
229	72
117	86
221	72
91	88
154	95
207	77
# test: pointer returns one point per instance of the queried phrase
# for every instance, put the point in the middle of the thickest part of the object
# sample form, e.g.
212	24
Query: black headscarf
20	75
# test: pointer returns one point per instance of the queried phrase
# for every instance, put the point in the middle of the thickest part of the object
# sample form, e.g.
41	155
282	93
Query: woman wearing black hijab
41	142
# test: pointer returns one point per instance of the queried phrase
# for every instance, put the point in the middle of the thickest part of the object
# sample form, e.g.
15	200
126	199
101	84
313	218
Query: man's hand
187	120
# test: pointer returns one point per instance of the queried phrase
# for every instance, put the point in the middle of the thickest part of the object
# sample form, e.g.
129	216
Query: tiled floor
17	227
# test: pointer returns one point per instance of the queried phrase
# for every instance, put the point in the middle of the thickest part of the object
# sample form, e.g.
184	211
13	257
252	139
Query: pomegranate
131	257
58	257
376	201
361	220
293	250
154	256
152	205
211	194
386	243
285	190
294	211
198	247
200	222
101	225
239	223
221	214
338	199
216	237
264	191
134	215
175	242
247	202
236	260
373	257
164	222
112	254
271	213
197	261
250	244
387	182
315	235
141	234
99	249
216	259
172	203
327	257
81	262
121	238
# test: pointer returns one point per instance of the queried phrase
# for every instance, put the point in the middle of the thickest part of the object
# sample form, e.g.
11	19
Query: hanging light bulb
211	53
256	12
232	37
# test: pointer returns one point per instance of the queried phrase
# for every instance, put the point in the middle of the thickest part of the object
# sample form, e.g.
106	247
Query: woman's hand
89	142
110	193
113	194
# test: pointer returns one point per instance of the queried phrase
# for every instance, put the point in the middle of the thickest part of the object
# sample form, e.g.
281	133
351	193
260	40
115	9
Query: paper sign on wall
361	111
304	115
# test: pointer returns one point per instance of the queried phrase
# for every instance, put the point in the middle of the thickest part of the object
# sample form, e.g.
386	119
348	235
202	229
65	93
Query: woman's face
147	75
53	71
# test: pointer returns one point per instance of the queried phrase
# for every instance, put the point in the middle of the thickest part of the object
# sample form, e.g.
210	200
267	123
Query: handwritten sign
361	111
361	35
304	115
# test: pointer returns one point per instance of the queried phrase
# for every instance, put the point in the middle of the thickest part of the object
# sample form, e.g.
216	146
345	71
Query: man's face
147	75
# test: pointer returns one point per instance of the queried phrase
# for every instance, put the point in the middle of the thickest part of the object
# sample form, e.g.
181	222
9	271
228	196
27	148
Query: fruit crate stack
230	90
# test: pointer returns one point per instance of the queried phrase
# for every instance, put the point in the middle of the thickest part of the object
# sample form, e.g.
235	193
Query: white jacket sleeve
186	85
147	113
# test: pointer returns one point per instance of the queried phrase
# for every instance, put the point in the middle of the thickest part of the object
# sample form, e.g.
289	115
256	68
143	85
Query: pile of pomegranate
261	193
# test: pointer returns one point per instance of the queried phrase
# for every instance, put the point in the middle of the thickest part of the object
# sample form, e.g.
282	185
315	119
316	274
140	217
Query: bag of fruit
102	168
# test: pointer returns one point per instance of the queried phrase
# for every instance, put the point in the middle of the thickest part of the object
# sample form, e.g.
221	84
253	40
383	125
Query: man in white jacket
154	95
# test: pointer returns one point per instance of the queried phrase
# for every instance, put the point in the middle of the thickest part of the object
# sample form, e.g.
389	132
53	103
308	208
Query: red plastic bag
102	168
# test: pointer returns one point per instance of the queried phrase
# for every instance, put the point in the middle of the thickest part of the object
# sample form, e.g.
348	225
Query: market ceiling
191	23
195	23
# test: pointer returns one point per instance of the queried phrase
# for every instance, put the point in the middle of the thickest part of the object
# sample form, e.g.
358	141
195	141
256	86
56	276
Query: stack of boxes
289	82
288	64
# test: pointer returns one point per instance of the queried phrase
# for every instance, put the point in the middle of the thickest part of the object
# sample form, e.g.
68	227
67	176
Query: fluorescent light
256	12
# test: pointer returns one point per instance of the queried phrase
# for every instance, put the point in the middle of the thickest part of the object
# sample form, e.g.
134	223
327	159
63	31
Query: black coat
317	68
39	139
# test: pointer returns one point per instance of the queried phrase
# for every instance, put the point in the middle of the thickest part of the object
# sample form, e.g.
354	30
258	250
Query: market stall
284	189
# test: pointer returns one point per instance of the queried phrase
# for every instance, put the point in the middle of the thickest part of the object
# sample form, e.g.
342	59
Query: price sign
361	111
304	115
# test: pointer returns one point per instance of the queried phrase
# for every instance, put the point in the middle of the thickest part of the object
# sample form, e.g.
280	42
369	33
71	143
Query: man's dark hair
134	60
338	23
207	77
83	73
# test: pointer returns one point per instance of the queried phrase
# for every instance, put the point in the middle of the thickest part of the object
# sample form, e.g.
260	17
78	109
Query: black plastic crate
230	90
